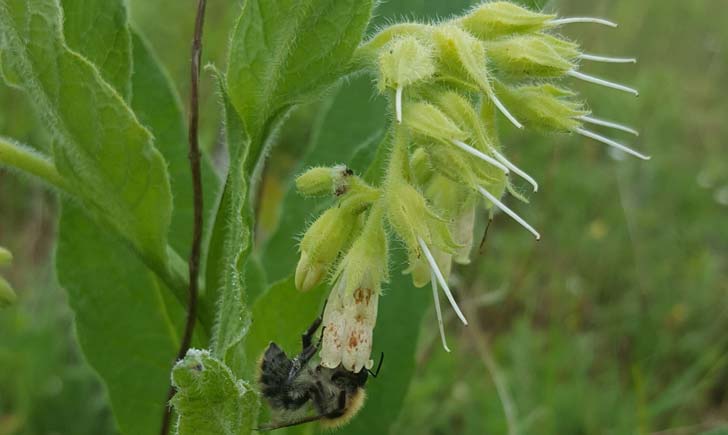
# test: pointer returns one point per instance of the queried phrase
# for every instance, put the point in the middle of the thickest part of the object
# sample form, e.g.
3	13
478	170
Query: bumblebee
291	385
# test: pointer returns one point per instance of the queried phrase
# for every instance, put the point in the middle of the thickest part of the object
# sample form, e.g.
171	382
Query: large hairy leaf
230	245
105	154
127	330
158	107
285	51
209	399
99	31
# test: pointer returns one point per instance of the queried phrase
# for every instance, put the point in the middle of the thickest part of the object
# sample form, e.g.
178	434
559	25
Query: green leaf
209	399
354	120
100	32
125	321
230	245
158	107
105	154
281	315
284	52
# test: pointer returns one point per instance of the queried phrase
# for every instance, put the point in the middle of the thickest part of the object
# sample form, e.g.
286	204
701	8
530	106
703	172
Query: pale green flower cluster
447	83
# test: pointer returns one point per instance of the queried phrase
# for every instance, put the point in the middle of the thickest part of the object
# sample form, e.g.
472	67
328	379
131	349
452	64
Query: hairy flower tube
7	295
351	310
447	83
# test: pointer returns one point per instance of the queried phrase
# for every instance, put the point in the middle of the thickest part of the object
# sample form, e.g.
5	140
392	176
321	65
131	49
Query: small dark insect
289	385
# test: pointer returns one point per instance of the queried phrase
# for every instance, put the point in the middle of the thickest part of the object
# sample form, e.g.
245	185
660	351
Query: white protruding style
438	311
602	82
504	111
441	279
607	59
490	197
611	143
470	150
515	169
609	124
590	20
398	104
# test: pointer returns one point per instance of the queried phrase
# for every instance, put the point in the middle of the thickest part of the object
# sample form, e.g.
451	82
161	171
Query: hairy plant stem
22	157
194	156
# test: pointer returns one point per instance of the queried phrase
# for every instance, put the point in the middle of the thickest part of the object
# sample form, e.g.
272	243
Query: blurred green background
615	323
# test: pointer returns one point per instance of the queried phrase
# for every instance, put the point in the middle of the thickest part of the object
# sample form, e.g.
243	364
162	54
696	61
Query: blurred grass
615	323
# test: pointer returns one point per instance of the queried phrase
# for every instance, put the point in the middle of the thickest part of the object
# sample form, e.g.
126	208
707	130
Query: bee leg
308	351
306	340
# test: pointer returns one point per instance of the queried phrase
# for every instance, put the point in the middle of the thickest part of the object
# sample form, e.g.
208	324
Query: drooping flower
351	310
448	83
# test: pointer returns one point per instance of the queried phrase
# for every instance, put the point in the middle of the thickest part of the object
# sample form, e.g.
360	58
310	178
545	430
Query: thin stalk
18	156
194	157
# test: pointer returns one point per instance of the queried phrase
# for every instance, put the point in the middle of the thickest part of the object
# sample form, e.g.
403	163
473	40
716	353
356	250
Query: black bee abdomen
275	368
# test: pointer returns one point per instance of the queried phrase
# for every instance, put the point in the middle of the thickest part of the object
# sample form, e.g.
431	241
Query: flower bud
544	106
7	295
495	19
528	56
321	245
405	61
351	310
458	203
462	57
412	220
564	48
463	227
461	167
427	120
420	269
421	167
324	181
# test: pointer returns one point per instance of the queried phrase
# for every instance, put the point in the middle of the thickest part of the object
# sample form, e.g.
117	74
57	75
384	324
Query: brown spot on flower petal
353	341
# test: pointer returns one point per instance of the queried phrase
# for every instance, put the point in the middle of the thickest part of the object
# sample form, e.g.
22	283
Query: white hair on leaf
611	143
609	124
607	59
515	169
438	310
588	20
602	82
490	197
502	108
479	154
441	279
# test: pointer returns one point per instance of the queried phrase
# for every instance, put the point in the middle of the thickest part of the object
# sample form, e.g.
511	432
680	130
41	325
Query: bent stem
194	157
23	158
18	156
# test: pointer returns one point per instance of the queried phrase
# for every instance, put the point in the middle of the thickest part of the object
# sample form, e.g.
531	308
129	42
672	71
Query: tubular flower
351	310
447	83
324	240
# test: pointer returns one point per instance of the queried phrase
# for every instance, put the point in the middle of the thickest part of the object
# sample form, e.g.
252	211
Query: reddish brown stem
194	156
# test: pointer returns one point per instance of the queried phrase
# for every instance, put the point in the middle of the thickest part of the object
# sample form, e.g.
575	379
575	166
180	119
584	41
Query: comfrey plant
447	83
132	204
